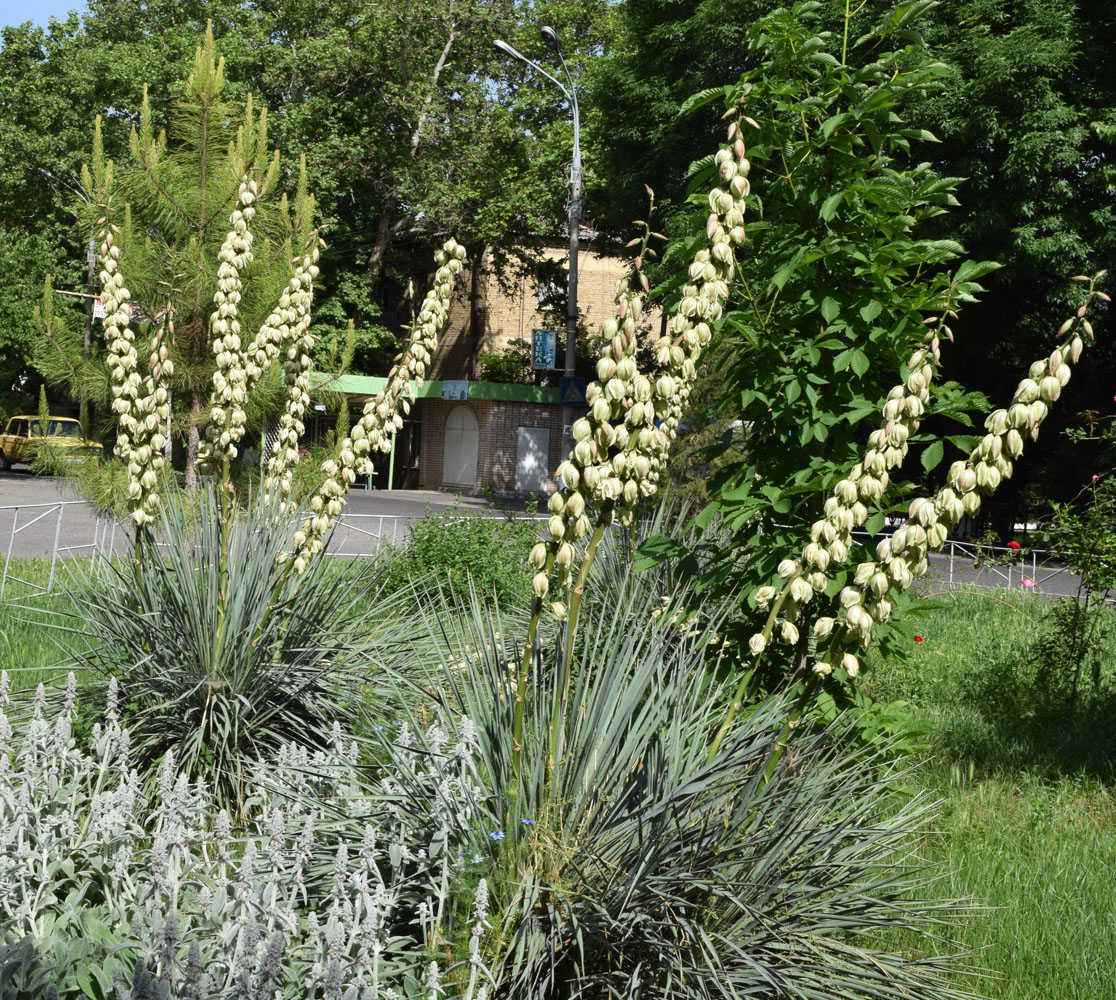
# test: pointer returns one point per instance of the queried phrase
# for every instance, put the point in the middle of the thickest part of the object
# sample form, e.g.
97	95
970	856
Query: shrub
469	550
224	653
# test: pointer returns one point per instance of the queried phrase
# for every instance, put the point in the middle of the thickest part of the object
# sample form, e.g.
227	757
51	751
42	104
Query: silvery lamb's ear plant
109	880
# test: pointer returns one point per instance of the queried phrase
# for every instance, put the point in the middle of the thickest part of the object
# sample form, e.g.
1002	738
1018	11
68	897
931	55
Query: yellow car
24	436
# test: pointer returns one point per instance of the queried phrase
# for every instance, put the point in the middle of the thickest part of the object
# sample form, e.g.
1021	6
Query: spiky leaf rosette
632	865
224	655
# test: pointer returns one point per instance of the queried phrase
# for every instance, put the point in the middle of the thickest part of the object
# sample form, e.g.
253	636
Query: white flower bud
864	573
789	633
800	590
757	643
816	579
763	596
850	664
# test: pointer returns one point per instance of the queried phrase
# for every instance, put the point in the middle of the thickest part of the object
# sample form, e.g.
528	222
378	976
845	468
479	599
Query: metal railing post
54	550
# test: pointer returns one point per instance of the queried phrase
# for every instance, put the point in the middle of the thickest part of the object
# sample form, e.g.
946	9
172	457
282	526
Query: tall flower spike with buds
621	444
690	329
847	507
140	402
230	381
297	366
381	417
903	555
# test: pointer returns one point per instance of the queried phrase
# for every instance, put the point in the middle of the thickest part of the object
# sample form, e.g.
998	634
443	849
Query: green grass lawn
28	646
1028	820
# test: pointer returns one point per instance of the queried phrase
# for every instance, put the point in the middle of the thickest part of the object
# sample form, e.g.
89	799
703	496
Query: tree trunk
389	226
192	440
384	233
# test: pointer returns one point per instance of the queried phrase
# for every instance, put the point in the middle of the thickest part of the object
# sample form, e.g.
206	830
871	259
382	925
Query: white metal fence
66	528
73	527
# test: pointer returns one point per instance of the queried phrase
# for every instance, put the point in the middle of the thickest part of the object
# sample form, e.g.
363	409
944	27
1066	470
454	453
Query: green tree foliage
837	284
413	127
1025	116
1028	116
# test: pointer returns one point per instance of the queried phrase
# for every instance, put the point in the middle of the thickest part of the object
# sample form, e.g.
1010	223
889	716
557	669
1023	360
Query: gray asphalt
40	513
51	516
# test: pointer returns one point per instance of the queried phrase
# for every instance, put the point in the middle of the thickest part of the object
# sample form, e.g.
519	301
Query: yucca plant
224	655
625	862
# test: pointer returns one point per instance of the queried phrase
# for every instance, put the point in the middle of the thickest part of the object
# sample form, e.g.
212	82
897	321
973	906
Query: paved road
51	514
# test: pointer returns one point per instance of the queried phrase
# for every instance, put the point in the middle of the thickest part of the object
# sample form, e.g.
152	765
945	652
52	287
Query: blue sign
572	391
544	348
453	388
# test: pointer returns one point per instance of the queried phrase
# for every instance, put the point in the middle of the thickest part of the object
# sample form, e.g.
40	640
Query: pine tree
168	205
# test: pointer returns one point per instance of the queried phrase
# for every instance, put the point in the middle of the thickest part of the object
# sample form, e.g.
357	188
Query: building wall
508	316
497	422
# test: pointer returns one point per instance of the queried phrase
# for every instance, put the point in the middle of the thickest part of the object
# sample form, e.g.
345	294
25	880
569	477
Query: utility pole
550	36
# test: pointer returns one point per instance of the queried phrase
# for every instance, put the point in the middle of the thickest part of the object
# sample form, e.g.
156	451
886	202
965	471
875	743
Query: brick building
471	435
513	308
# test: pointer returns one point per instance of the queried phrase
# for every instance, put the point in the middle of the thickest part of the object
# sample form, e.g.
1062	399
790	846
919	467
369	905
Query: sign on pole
572	391
544	349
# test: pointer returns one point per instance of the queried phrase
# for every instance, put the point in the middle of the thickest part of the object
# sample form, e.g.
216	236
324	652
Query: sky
38	11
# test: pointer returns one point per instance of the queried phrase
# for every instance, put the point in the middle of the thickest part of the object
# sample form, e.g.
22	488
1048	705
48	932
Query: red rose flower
1014	546
918	638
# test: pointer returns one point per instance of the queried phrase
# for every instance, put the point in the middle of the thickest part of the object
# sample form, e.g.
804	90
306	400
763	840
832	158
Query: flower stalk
903	556
381	417
621	444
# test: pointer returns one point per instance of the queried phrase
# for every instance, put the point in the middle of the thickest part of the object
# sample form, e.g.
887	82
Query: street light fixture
550	36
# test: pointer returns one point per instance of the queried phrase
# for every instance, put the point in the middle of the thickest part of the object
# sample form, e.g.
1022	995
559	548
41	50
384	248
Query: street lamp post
550	36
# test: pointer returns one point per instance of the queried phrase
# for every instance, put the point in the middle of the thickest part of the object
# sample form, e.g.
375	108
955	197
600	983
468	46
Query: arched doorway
459	448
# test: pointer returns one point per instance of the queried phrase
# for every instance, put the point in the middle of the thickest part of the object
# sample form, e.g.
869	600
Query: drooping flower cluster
847	508
290	324
904	555
140	403
230	381
382	416
621	444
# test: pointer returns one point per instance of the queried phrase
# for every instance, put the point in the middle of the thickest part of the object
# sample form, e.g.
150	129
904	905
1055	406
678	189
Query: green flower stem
226	501
742	687
577	595
525	663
